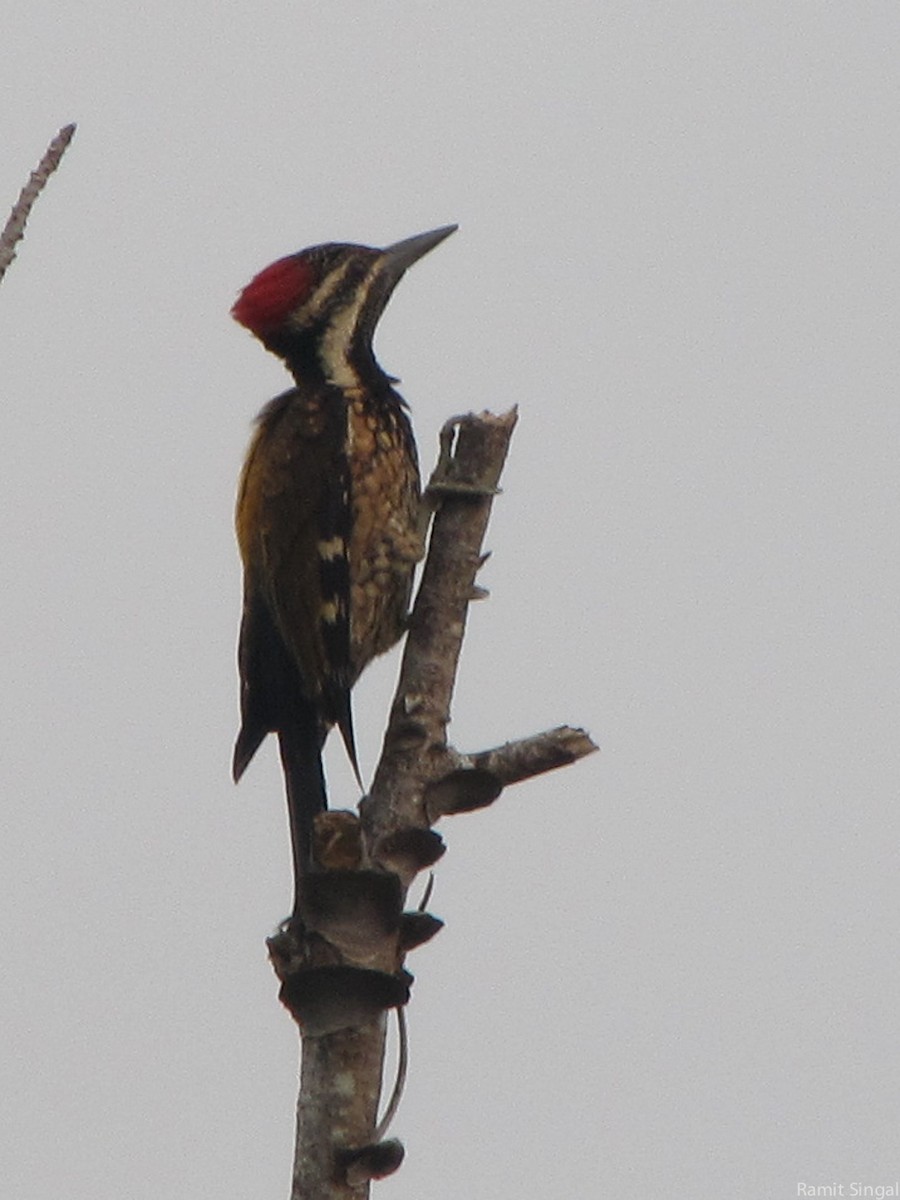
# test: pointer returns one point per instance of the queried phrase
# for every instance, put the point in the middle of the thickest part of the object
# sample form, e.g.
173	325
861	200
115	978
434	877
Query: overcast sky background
670	971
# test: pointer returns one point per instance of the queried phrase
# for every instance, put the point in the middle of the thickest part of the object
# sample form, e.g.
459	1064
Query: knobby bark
14	228
341	960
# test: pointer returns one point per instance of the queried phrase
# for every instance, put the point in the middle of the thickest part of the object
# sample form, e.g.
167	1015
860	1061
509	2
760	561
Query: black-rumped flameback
327	510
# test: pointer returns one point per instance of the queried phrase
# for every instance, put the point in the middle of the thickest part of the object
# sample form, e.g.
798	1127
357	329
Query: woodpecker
327	512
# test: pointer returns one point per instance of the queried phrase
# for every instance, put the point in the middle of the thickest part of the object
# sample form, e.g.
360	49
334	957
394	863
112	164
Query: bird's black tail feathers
300	746
248	742
343	717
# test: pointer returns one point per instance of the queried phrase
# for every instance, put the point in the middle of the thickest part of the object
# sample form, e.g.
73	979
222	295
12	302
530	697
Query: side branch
480	781
532	756
15	226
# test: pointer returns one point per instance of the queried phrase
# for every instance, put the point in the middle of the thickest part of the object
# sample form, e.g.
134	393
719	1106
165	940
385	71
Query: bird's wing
293	521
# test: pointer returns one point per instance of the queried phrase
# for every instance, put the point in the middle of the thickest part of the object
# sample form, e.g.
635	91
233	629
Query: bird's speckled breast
385	543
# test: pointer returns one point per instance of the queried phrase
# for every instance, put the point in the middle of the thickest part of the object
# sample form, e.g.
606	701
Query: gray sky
670	971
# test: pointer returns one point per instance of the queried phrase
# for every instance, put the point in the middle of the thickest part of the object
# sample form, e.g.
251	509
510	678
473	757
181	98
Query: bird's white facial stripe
319	300
334	347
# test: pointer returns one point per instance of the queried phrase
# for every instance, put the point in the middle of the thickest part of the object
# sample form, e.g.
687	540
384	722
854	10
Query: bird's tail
343	716
300	746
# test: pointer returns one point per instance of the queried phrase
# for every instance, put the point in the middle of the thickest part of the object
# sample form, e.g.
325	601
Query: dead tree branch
14	229
341	960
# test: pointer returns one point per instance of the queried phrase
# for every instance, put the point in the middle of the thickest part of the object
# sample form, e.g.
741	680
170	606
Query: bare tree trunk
327	1105
341	961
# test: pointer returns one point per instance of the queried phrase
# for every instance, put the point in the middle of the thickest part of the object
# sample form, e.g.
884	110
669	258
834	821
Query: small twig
15	226
426	895
400	1082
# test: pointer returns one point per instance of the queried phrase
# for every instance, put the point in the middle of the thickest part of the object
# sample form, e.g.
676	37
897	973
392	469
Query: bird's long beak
400	257
389	268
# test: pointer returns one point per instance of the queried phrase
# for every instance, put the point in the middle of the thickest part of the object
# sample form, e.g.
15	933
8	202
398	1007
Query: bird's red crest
273	294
